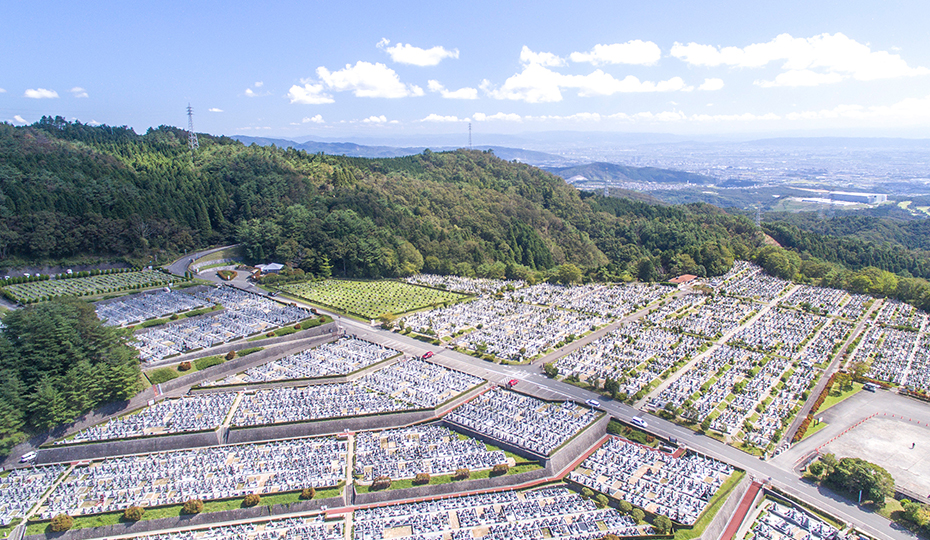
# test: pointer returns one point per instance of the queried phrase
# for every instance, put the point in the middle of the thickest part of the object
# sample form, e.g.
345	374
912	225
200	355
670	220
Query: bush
381	482
230	355
461	474
601	500
184	366
587	492
252	499
625	507
133	513
193	506
209	361
421	479
638	515
270	334
500	469
307	493
297	326
662	524
61	523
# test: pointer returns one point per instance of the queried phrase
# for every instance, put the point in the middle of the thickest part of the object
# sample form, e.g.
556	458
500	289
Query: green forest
57	361
69	190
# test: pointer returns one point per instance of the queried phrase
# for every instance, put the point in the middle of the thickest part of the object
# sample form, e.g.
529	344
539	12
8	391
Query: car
637	421
593	403
511	383
429	354
27	457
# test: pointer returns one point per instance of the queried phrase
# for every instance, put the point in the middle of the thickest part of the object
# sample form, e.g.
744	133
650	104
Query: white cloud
635	51
506	117
2	91
214	109
538	84
909	110
40	93
461	93
78	92
711	84
577	117
259	84
542	59
317	119
801	77
94	123
408	54
833	57
250	93
20	119
376	120
438	118
309	94
365	79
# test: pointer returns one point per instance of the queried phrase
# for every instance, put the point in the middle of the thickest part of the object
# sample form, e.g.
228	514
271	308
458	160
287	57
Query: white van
27	457
637	421
593	403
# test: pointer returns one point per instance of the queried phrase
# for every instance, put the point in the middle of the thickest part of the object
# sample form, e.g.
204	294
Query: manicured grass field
371	299
88	286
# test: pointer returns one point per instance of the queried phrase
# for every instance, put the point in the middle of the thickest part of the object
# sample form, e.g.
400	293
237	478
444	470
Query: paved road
179	266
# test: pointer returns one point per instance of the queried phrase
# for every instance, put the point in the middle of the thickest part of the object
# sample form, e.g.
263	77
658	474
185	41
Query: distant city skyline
371	69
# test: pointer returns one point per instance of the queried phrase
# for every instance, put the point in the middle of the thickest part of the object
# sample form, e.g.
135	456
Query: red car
429	354
511	383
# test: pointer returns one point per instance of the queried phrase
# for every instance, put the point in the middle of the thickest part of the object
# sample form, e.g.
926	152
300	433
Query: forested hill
69	189
612	172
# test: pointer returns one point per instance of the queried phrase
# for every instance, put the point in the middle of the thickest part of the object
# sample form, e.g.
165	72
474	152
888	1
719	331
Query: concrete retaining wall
66	454
719	524
141	527
328	427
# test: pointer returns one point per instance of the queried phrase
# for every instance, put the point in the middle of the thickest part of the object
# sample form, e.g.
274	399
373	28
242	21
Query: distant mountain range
358	150
611	172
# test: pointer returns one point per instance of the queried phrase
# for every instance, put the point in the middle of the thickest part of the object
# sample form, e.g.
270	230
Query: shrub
230	355
193	506
638	515
461	474
184	366
133	513
252	499
61	523
625	507
297	326
587	492
601	500
500	469
381	482
174	317
662	524
270	334
421	479
307	493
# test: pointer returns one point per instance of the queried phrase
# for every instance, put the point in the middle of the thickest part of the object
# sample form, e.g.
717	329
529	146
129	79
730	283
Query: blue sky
341	69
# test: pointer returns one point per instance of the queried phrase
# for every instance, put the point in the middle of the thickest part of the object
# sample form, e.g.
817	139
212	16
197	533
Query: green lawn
834	399
371	299
520	467
814	429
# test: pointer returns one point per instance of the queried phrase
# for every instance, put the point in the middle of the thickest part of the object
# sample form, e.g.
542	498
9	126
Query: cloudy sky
336	69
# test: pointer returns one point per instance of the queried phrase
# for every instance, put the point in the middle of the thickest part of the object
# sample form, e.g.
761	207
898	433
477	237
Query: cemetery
35	291
137	308
303	528
472	286
523	421
371	299
779	520
245	314
677	487
340	357
555	513
21	489
429	448
219	472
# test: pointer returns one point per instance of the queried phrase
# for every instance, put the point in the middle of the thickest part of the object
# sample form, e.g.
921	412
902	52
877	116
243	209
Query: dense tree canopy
57	361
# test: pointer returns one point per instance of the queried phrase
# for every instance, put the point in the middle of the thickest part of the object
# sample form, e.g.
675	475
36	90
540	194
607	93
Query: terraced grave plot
783	521
371	299
21	489
677	487
552	513
87	286
527	422
431	449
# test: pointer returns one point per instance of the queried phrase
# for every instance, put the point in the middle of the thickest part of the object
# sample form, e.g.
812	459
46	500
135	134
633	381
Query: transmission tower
469	135
191	136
